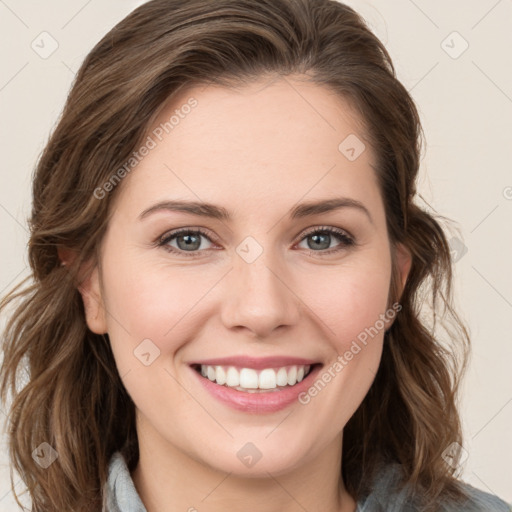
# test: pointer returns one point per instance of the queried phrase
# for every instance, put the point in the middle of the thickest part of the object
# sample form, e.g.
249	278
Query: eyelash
346	240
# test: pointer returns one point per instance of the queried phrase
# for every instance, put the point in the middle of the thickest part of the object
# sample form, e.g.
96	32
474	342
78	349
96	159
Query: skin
257	151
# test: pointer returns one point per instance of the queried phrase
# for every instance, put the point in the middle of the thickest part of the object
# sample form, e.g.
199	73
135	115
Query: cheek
349	300
353	310
153	302
150	317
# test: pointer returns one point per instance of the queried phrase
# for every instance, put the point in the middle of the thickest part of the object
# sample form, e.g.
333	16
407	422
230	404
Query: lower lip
260	402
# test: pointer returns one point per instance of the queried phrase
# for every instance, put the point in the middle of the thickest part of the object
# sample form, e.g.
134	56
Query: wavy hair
72	396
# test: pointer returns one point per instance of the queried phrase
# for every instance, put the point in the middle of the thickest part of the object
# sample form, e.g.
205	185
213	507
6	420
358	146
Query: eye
186	239
321	239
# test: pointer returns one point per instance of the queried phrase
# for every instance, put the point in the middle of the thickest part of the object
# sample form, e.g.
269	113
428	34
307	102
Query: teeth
220	375
248	379
233	377
267	379
282	377
292	376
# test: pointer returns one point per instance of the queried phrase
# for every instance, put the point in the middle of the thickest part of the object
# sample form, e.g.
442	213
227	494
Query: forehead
269	140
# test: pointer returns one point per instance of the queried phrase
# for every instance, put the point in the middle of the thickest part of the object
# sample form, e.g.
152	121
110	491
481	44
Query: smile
255	385
251	380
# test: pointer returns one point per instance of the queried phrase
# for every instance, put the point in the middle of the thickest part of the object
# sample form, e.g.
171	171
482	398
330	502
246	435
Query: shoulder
388	495
480	501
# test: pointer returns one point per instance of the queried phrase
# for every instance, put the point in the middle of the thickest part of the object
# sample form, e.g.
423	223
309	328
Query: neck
167	477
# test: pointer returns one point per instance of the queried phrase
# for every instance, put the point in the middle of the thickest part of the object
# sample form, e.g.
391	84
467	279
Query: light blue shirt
121	495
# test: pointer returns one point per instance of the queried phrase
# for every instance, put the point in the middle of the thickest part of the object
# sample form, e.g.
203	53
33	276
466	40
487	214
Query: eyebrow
218	212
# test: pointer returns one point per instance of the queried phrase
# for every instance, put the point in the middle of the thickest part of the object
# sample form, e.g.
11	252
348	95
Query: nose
259	297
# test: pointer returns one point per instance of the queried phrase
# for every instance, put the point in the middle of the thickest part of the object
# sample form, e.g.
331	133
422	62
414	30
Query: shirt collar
120	492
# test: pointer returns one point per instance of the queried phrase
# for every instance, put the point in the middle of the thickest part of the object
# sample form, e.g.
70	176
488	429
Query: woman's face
257	292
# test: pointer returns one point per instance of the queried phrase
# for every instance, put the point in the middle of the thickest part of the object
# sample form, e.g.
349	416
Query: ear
66	256
403	263
95	313
90	290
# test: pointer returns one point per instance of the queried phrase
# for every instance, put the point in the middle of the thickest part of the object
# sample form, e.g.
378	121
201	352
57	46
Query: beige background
465	101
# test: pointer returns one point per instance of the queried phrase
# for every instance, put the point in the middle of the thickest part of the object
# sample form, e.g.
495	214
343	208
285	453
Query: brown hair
74	398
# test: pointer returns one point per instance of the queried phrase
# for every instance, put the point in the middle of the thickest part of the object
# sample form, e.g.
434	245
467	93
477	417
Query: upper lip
258	363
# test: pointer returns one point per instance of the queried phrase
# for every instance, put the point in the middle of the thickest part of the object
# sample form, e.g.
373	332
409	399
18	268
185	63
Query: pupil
316	238
189	244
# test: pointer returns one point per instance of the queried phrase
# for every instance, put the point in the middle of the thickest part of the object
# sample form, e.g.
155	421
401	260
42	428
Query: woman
227	261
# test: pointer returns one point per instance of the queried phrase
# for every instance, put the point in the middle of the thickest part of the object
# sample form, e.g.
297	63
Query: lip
257	363
258	403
